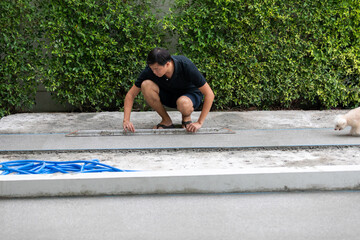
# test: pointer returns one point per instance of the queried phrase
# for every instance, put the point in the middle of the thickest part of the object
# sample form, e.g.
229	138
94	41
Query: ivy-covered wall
254	53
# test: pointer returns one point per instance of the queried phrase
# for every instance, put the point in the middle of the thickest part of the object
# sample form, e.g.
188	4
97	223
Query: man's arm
128	104
208	101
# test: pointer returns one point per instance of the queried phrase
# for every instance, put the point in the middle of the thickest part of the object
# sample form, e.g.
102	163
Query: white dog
352	119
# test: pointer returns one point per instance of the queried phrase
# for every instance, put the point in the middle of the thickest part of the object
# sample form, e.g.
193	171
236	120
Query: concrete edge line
172	131
176	182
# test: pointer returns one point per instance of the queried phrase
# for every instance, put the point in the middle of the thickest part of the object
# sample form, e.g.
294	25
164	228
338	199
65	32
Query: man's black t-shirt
185	79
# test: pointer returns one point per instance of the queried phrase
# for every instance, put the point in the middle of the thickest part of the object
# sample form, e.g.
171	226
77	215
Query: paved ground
312	216
303	131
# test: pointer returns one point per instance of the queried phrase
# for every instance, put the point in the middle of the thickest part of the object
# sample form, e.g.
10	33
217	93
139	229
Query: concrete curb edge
182	182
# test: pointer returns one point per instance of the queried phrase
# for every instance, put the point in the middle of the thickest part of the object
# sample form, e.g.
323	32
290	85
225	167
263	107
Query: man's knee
185	105
149	87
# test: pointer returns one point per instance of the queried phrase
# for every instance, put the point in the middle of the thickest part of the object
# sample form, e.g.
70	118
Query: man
173	81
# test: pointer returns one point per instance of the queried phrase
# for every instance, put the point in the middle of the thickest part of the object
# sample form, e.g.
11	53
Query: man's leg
185	107
151	91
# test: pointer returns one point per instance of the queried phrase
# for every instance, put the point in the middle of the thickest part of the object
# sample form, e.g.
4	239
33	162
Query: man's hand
193	127
127	125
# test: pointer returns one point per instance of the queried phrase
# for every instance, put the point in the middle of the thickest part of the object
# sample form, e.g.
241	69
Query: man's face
159	70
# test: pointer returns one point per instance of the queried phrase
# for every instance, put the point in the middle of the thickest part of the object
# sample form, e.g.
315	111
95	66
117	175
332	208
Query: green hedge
19	59
273	53
96	49
262	53
85	52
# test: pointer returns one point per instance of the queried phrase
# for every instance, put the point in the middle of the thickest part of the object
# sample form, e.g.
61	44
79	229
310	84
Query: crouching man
173	81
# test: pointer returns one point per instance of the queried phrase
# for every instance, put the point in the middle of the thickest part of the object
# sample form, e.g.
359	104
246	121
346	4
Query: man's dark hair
158	55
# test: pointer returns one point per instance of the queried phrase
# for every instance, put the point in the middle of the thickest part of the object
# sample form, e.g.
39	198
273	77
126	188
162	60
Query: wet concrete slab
255	138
